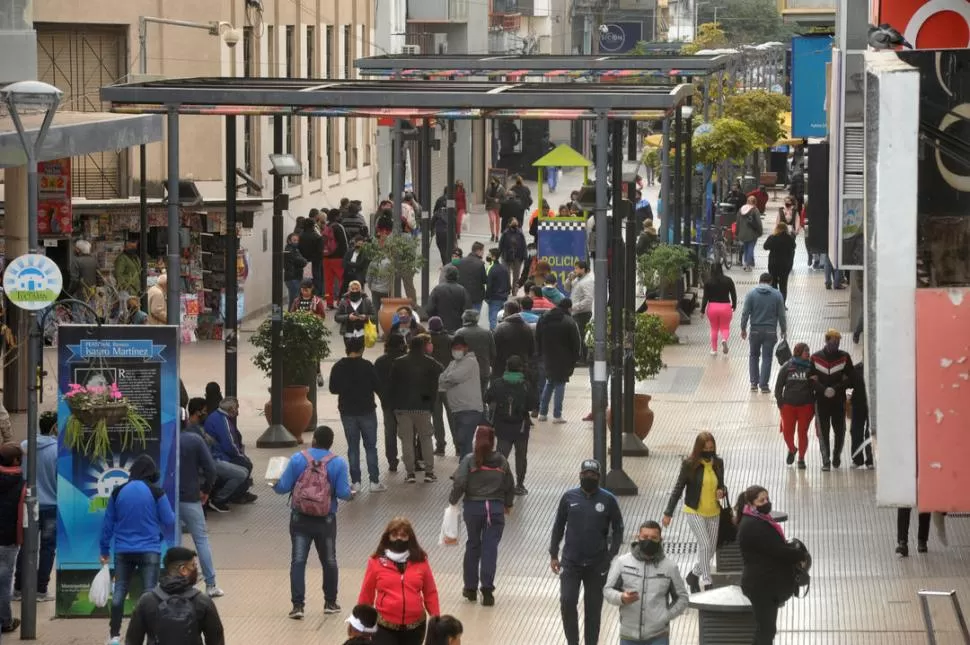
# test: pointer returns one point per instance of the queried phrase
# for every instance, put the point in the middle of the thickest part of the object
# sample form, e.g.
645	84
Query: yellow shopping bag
370	334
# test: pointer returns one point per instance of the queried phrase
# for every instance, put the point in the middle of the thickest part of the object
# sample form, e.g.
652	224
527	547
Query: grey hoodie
663	594
766	309
462	383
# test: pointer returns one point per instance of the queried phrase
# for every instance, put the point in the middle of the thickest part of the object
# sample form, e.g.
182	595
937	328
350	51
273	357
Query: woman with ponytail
444	630
766	578
484	480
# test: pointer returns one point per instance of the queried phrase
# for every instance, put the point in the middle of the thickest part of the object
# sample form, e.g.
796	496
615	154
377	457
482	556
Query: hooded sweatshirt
663	594
765	307
138	512
462	383
46	470
144	619
794	385
749	224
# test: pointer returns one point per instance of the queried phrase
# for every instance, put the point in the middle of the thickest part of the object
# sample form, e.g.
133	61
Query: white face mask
457	354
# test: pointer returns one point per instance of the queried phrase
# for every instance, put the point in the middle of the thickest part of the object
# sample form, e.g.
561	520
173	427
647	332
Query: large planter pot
666	310
642	416
389	307
297	410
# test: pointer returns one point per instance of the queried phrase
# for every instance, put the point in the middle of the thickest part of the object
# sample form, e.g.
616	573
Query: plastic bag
370	334
449	526
101	587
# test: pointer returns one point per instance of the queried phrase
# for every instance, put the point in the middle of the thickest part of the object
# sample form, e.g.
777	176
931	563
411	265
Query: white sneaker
354	489
713	352
114	641
379	487
214	592
558	420
542	417
724	346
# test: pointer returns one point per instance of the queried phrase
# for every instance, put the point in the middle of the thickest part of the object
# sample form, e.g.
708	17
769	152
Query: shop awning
562	156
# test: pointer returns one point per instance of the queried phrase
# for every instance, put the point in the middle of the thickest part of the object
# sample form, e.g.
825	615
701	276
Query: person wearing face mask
414	387
833	374
512	249
648	589
766	576
702	476
405	324
592	523
795	395
461	383
399	583
353	312
154	622
356	263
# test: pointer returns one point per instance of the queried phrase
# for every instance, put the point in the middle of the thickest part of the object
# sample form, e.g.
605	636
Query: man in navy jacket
233	467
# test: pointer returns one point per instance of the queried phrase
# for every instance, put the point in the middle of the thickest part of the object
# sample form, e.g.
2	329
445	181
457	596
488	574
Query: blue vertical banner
809	55
142	360
562	243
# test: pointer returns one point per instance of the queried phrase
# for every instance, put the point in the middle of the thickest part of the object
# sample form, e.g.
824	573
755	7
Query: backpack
329	239
511	406
313	492
175	621
801	579
384	221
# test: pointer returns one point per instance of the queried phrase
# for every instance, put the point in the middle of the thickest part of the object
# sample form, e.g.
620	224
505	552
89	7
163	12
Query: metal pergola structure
232	97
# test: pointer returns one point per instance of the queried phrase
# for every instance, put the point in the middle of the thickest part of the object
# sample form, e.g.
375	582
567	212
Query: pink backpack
313	493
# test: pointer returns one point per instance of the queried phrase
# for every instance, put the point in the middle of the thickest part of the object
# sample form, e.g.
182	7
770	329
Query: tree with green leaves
728	140
748	22
709	36
761	111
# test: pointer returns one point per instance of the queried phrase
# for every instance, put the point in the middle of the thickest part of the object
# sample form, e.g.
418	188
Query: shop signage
54	215
929	24
810	54
32	282
620	37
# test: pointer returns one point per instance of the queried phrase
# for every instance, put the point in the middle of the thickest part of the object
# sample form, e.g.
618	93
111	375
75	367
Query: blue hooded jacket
46	470
219	426
138	512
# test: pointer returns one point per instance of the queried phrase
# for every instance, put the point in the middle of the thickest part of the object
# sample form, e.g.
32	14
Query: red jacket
401	598
317	306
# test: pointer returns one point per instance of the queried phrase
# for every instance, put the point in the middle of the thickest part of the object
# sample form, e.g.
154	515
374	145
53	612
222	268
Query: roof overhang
73	134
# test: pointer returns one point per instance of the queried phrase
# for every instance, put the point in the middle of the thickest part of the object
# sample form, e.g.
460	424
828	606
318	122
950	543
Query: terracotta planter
389	307
297	410
666	310
642	416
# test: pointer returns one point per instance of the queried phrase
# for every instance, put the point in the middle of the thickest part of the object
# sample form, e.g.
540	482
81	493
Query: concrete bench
724	616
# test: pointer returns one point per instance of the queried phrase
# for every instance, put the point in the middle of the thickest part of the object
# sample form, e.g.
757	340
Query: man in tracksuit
592	523
833	371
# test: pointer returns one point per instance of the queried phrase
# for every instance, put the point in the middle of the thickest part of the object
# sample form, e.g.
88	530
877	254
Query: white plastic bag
101	587
449	526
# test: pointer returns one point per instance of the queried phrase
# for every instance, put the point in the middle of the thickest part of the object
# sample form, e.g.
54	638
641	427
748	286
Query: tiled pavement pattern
861	594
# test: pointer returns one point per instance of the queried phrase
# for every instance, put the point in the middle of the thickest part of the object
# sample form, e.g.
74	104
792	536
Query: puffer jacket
795	385
663	595
400	598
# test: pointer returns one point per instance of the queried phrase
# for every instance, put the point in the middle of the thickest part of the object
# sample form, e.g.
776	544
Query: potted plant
93	410
662	269
304	342
393	257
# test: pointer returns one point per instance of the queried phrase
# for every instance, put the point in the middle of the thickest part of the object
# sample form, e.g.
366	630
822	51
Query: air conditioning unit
440	43
411	50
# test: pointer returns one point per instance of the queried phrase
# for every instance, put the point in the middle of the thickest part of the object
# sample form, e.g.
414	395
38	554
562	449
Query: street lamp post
38	96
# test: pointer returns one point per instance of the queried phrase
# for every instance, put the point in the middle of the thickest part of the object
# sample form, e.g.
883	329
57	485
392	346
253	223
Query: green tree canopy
728	140
761	111
709	36
747	22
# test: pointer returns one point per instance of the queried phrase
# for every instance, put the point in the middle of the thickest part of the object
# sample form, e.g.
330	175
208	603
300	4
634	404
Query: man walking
480	342
471	275
47	497
592	523
648	589
579	286
765	308
461	383
833	372
175	612
449	300
559	348
497	288
195	459
138	515
414	384
354	380
315	479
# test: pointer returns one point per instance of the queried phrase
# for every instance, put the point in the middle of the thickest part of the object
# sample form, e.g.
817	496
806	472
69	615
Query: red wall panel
929	24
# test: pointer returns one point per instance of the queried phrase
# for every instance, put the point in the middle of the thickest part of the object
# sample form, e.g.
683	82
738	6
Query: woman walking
720	301
781	257
789	216
749	230
484	480
461	206
767	577
702	475
398	582
795	395
494	195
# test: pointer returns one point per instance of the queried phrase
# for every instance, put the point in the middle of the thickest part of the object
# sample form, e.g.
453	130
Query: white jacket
581	293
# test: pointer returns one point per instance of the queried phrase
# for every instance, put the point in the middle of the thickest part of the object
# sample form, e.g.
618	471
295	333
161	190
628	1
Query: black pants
390	438
442	243
765	608
386	636
861	438
582	319
779	280
902	525
521	445
591	577
831	416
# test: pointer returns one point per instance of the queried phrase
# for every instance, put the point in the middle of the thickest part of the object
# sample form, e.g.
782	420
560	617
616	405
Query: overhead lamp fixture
285	165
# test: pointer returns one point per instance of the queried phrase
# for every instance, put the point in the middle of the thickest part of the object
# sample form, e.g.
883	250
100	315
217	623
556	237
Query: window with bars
312	149
333	161
291	128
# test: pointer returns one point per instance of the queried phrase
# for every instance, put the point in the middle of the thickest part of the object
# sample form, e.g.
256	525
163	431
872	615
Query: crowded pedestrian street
861	591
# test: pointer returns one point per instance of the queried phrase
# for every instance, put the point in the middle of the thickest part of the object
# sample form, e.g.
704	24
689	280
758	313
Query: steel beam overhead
685	65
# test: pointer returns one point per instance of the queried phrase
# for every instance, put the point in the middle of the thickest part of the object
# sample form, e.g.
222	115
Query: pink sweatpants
719	314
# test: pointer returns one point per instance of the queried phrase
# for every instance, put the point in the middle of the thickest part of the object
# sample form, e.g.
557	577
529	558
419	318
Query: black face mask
589	484
832	346
707	454
649	548
355	296
397	546
764	509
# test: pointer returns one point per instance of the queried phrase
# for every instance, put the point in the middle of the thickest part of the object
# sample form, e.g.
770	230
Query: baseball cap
590	466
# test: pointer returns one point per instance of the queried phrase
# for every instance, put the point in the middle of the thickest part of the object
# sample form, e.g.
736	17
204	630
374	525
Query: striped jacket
832	370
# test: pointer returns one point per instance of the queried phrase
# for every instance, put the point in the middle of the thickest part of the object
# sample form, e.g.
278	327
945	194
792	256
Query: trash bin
727	560
724	616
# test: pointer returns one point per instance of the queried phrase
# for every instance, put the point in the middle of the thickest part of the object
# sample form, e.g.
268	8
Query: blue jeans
357	428
8	564
748	249
541	382
190	513
762	344
833	278
125	565
48	545
552	178
292	291
494	306
656	640
233	478
556	392
322	533
465	424
485	522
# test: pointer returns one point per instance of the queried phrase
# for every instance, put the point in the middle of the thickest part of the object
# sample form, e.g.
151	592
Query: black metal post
232	277
689	214
452	212
666	220
397	190
632	149
632	445
601	291
428	198
676	196
143	224
276	436
173	307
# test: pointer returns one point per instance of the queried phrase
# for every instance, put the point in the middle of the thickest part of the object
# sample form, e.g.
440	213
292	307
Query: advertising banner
620	37
810	54
142	361
929	24
54	215
562	243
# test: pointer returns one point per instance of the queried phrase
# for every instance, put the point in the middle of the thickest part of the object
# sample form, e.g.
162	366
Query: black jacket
768	560
508	406
498	282
345	308
471	275
441	347
383	368
832	370
449	301
510	208
354	381
311	246
692	478
595	528
513	337
144	618
860	400
557	338
414	382
781	253
355	269
512	245
11	504
482	344
293	263
794	385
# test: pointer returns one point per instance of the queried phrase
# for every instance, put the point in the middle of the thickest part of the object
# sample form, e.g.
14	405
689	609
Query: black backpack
801	578
511	405
175	621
